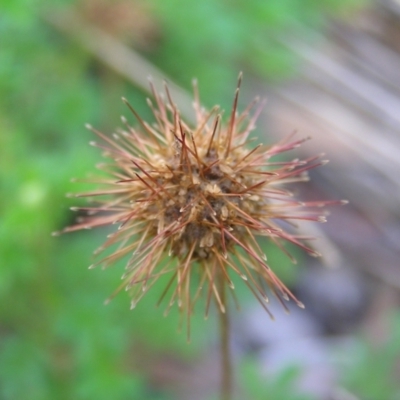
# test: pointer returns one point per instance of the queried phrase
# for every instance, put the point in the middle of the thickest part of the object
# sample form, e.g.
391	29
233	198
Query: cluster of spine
194	201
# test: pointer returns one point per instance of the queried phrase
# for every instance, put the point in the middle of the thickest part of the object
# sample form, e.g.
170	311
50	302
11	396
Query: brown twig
226	362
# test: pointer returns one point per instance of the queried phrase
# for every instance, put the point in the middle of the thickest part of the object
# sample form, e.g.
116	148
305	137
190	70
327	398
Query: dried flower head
199	196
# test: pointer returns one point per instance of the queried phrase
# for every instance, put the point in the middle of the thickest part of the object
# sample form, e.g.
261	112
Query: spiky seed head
201	197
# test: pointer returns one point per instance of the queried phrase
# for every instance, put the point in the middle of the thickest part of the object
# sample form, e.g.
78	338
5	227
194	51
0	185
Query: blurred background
329	69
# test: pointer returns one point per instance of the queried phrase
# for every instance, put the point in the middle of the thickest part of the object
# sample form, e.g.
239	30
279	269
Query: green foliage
57	340
371	370
281	386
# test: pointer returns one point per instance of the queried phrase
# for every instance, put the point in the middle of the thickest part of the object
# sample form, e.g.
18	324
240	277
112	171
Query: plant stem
226	362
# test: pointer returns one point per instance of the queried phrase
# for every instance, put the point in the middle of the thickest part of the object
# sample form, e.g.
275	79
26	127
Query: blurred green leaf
371	370
280	387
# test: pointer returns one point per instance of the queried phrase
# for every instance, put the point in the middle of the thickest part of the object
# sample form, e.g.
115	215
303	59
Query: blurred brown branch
119	57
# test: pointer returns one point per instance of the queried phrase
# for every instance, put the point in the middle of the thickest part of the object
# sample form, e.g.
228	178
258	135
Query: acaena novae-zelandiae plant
194	202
